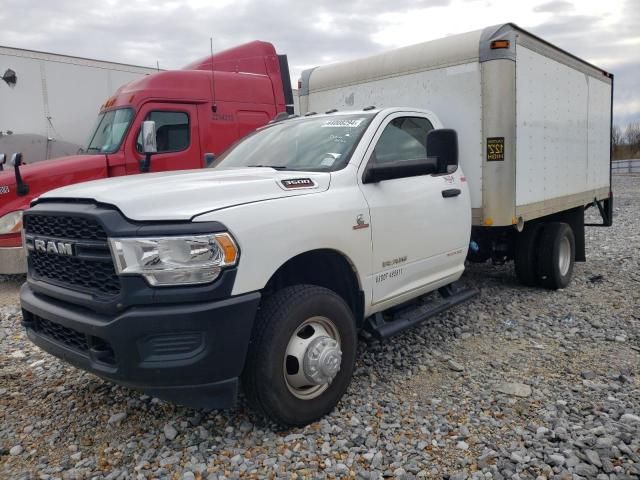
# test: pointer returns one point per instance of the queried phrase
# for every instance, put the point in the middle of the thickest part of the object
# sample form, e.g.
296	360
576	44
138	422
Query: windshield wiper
91	149
275	167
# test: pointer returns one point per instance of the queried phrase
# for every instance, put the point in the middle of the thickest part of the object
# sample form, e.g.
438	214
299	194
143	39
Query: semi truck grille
71	338
89	267
64	227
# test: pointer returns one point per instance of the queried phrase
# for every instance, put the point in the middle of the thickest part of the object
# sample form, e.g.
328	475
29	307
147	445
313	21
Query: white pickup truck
263	269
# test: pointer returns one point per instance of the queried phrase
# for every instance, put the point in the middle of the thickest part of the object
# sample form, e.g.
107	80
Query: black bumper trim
206	377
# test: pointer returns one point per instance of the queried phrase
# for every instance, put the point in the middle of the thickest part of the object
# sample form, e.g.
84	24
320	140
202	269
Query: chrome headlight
11	223
183	260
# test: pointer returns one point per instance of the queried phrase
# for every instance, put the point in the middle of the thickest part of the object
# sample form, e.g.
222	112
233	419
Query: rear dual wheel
557	254
545	255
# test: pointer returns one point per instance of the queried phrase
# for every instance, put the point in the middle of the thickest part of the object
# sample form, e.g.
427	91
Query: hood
185	194
41	177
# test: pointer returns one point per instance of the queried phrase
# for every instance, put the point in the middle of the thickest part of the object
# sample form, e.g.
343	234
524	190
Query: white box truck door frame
563	155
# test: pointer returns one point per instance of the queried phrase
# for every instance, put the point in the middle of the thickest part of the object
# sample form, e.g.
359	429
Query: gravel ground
519	383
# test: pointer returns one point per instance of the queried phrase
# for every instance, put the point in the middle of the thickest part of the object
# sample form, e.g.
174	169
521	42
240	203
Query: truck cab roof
368	111
196	85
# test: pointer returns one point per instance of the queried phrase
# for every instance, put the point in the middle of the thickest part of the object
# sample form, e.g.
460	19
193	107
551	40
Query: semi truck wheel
556	255
301	355
526	255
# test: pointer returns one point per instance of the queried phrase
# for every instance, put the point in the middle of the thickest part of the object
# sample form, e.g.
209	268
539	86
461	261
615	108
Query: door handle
451	192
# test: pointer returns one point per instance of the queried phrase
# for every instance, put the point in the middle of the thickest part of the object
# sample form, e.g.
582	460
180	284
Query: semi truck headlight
11	223
180	260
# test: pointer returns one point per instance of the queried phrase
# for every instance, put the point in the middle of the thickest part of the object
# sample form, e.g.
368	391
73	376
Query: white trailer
534	122
56	97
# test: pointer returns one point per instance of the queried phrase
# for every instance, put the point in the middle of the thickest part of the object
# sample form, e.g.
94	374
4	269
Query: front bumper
190	353
12	260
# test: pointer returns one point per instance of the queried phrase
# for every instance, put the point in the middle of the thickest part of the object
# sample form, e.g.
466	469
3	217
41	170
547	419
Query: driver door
177	138
417	234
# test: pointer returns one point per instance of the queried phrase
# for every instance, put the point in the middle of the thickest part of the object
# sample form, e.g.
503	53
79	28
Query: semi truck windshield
312	144
109	130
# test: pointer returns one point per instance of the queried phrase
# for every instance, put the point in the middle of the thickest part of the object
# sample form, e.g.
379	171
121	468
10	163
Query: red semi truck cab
199	112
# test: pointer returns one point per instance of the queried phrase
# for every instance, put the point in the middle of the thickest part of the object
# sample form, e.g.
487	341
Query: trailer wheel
526	255
301	355
556	255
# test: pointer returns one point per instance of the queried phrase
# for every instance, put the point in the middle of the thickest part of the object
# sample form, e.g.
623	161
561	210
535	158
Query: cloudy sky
175	32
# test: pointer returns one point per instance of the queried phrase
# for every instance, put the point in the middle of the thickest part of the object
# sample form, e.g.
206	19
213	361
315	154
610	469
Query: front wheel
301	355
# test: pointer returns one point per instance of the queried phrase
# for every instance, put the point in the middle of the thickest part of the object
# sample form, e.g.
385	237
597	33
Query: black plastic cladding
67	336
134	290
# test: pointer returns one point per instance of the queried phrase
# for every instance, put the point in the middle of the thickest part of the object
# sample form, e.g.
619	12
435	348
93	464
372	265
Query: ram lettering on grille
49	246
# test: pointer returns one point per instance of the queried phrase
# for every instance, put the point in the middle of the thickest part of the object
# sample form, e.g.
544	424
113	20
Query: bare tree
632	136
616	136
617	139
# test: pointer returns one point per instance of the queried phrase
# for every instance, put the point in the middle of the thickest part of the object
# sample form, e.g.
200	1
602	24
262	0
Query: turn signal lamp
499	44
229	249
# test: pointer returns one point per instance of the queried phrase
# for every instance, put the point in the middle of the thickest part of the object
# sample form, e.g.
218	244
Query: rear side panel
498	145
57	96
563	135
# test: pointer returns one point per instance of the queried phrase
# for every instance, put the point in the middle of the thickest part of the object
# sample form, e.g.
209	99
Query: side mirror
149	137
442	144
149	146
21	187
3	160
209	158
399	169
16	159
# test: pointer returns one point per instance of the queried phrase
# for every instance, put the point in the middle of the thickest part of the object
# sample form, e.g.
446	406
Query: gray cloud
554	6
309	33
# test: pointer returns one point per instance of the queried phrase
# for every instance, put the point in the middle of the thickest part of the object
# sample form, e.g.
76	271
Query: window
172	131
109	131
323	143
404	138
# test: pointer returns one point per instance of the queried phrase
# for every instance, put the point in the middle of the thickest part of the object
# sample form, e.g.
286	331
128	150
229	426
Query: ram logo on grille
56	248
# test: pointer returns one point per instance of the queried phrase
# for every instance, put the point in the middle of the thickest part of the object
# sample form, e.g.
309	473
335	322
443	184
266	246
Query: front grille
98	349
64	227
90	269
67	336
87	275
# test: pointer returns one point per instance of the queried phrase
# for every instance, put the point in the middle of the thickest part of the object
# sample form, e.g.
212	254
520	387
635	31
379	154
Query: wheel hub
564	256
313	357
322	360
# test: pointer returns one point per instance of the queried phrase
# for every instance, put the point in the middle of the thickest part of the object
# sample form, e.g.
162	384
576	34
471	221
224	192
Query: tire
556	255
270	370
526	255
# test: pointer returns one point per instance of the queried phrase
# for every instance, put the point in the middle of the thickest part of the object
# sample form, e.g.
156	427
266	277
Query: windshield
311	144
109	130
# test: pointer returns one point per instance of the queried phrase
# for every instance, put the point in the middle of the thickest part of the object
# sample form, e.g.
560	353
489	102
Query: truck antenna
158	65
214	107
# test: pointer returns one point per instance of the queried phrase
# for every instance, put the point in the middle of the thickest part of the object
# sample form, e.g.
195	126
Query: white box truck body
534	122
55	96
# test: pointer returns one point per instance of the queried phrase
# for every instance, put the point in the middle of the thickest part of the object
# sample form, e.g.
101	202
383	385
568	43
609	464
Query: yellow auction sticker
495	149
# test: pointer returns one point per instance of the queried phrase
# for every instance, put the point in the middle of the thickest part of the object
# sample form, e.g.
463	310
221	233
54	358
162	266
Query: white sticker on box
343	123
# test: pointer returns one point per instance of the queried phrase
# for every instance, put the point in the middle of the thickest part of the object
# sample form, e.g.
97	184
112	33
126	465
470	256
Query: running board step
407	317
